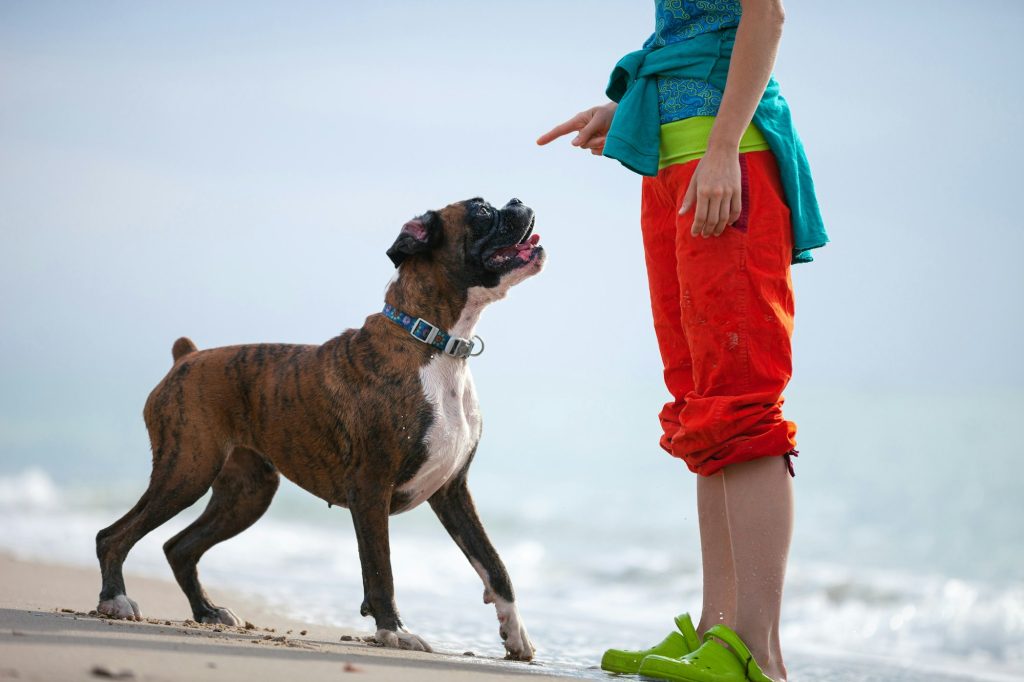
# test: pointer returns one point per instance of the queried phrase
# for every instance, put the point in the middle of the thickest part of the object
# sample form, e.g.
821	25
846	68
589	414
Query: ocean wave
905	614
32	489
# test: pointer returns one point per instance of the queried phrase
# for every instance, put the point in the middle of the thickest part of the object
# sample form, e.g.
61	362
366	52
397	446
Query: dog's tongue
528	244
526	248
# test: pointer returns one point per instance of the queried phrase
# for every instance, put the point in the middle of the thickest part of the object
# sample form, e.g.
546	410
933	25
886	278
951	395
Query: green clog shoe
712	662
678	643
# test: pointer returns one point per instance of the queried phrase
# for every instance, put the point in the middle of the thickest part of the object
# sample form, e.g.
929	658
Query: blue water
908	539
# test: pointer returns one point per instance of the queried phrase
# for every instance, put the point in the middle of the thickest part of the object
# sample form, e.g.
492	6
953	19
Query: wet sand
46	633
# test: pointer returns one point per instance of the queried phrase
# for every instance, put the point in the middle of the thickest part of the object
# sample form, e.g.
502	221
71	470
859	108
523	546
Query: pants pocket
742	222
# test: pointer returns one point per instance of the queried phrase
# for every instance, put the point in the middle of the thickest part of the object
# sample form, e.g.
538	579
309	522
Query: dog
378	420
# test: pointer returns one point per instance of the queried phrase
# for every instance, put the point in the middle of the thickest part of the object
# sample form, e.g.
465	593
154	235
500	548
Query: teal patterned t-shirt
678	20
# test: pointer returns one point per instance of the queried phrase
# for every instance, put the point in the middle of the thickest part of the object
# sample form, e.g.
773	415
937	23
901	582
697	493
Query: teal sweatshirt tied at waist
635	134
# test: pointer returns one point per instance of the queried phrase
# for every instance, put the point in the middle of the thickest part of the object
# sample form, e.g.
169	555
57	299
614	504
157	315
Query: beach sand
47	634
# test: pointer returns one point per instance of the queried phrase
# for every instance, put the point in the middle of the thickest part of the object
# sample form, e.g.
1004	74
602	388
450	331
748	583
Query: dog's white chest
449	391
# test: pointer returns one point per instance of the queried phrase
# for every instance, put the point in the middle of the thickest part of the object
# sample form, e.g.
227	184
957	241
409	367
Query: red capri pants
723	315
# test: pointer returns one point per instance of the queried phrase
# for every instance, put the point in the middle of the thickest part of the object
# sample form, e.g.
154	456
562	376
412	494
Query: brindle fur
345	420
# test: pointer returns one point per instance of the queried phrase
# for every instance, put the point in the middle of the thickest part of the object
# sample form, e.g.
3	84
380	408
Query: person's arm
714	192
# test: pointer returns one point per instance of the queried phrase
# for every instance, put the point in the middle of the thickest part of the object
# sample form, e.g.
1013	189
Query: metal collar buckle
458	348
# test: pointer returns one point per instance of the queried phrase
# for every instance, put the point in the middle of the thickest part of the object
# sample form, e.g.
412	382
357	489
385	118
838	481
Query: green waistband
687	140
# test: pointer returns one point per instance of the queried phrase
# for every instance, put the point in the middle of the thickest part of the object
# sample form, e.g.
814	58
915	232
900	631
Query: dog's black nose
514	202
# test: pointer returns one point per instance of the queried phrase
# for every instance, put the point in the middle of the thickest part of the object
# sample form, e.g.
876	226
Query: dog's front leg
369	509
454	507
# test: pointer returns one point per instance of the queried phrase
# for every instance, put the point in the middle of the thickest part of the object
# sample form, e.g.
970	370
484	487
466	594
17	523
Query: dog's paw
402	640
120	607
221	616
512	631
518	646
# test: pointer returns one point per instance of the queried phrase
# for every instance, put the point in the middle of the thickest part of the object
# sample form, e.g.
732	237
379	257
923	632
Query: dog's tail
183	347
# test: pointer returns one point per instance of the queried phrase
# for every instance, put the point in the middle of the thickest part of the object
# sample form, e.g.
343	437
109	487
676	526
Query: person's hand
592	125
715	193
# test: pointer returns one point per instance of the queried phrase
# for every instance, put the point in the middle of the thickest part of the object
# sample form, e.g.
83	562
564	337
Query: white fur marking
448	388
511	627
120	606
402	639
394	278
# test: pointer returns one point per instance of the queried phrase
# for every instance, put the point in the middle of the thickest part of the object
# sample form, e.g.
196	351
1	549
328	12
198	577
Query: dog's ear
417	236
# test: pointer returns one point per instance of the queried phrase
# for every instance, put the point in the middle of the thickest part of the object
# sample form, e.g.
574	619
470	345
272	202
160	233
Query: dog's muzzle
514	243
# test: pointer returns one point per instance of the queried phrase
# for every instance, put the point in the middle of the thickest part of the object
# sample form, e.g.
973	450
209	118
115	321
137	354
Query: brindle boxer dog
373	420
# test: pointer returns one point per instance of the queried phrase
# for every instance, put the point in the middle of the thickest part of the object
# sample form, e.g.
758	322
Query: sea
908	548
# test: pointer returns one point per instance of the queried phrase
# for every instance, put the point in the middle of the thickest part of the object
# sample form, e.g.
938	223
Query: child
727	205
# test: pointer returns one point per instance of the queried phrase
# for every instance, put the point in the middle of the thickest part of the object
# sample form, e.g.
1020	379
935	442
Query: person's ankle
710	619
771	665
765	654
775	672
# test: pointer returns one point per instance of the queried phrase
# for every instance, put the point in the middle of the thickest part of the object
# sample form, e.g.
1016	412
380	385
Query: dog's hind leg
174	485
241	494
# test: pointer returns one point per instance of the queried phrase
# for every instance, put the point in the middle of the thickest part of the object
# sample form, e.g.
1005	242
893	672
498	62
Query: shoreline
47	633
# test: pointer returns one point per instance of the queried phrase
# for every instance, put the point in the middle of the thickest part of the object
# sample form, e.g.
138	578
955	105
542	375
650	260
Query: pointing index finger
573	124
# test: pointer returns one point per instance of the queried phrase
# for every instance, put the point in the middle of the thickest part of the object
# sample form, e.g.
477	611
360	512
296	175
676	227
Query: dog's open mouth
516	255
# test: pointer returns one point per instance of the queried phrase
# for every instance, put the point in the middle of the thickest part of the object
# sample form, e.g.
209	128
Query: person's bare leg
716	555
759	500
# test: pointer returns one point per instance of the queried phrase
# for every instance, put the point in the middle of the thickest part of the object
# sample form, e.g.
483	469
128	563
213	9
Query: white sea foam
30	490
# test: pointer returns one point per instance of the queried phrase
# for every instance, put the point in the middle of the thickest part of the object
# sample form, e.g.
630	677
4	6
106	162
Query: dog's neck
477	298
425	292
422	291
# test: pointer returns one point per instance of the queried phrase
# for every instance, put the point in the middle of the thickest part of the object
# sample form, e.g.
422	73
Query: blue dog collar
432	335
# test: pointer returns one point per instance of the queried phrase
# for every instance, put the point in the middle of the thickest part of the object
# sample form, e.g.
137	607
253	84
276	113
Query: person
727	205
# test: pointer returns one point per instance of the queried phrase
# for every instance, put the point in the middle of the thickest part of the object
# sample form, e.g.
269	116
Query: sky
235	171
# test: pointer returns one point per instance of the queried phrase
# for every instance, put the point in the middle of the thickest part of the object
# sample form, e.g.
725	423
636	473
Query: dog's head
474	243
